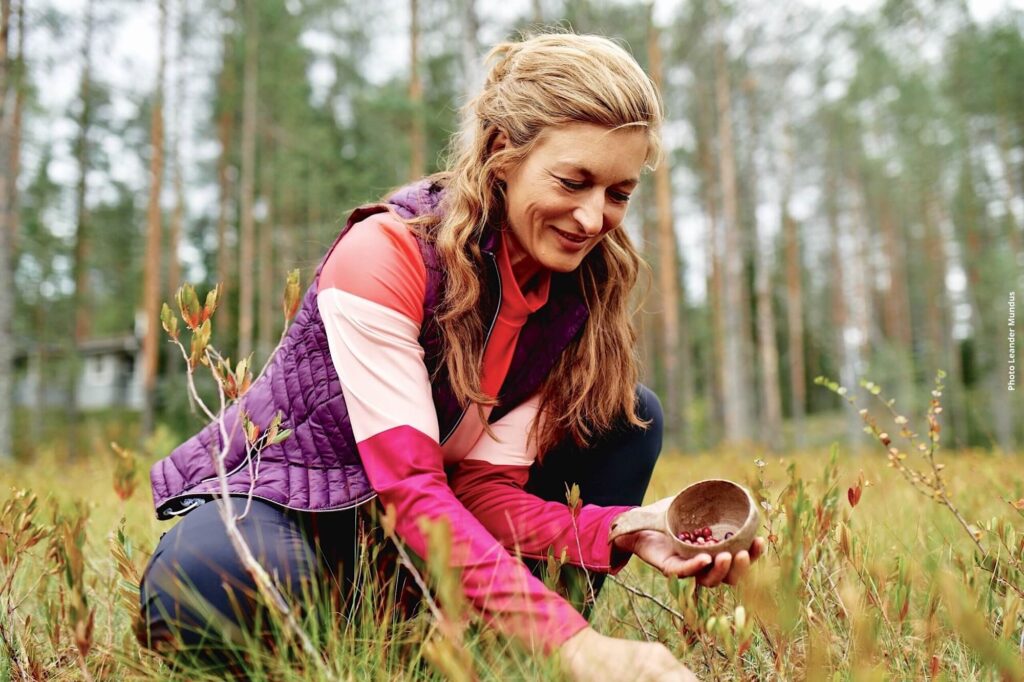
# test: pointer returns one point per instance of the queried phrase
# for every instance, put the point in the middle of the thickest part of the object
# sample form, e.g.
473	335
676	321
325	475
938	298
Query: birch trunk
950	360
737	385
767	343
470	48
837	292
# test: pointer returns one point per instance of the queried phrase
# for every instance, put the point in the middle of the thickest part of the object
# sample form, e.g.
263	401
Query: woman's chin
562	264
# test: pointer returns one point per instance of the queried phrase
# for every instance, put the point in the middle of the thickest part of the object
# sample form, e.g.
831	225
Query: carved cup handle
641	518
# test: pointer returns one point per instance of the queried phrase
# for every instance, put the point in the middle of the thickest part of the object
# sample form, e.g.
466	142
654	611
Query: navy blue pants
196	596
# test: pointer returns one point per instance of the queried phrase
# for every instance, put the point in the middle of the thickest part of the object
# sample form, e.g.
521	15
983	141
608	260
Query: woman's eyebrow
587	175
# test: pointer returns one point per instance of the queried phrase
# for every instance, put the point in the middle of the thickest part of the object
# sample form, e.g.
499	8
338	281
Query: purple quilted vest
318	468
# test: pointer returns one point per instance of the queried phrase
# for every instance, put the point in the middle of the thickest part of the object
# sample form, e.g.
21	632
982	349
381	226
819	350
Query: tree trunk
470	48
178	214
247	236
767	344
736	385
897	301
314	218
794	302
860	310
649	338
6	244
80	300
675	337
287	257
81	252
715	374
1015	223
154	234
267	283
225	132
935	314
417	142
17	80
837	293
948	357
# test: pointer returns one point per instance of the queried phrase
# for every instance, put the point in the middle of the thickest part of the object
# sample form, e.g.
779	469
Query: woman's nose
590	213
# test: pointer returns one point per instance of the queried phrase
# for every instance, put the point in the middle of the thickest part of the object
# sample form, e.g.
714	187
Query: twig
264	583
590	597
85	670
403	558
877	599
639	623
640	593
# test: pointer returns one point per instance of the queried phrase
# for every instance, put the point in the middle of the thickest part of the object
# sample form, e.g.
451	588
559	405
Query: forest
839	212
843	194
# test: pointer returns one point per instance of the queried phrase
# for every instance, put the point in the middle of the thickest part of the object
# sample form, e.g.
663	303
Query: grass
892	588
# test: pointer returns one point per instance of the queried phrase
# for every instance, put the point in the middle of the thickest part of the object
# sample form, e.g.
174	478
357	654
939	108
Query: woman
465	353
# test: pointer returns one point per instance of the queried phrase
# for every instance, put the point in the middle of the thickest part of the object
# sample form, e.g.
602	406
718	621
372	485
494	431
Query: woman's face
569	192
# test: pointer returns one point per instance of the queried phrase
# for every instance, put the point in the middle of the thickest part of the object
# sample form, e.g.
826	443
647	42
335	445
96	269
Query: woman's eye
620	197
571	184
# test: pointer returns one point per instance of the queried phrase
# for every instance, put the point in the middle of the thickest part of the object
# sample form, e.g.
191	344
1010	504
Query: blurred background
843	195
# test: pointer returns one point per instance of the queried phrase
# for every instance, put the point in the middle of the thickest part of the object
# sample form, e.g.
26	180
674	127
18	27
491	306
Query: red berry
705	531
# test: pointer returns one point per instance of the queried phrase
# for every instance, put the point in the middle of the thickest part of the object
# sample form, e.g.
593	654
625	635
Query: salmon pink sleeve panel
370	299
489	481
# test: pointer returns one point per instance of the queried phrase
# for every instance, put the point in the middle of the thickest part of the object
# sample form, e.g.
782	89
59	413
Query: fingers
757	549
717	572
725	567
740	566
678	567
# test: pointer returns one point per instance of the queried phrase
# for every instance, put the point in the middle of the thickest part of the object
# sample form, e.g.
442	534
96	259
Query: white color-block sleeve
379	361
510	445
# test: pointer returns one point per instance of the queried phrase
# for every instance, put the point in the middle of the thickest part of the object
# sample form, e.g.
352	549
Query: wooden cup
724	506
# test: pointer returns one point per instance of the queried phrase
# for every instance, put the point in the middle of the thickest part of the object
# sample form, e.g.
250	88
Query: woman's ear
499	143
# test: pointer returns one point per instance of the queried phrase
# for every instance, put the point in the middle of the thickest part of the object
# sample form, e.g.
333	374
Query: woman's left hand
658	550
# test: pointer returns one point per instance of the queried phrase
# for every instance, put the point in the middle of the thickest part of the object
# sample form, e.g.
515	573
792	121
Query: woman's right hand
590	656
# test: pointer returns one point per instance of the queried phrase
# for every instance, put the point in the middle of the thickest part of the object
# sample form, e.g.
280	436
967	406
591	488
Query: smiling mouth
579	239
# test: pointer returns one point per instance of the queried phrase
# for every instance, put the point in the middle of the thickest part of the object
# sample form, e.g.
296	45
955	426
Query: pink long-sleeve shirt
370	298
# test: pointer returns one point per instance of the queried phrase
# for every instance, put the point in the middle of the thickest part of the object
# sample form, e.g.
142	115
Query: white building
110	375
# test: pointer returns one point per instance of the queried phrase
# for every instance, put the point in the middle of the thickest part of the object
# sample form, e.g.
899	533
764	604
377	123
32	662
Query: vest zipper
192	500
494	320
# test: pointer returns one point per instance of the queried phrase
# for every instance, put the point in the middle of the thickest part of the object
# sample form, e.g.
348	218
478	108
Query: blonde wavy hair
543	82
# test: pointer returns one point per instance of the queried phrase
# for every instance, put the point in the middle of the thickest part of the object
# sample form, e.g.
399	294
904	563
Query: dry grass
890	589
